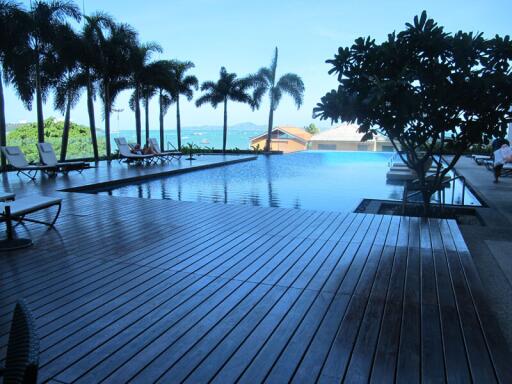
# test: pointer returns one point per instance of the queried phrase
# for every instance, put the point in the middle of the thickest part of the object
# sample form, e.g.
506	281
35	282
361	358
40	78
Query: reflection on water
335	181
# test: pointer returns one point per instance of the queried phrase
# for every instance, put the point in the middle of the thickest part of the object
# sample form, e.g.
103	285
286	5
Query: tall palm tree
15	59
69	84
46	18
265	81
162	78
182	84
139	60
115	49
228	87
88	63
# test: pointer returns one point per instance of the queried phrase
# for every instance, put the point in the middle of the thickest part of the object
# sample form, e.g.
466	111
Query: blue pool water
333	181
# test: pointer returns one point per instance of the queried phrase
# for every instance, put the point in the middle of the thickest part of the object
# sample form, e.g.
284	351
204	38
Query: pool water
331	181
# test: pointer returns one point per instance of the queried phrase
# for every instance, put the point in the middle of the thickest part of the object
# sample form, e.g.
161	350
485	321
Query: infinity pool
333	181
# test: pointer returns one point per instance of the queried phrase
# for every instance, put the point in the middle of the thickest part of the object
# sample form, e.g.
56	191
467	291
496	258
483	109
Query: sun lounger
48	157
17	210
125	153
175	154
17	160
481	159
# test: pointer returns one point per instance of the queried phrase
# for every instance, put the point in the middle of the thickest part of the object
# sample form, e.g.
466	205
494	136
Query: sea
210	138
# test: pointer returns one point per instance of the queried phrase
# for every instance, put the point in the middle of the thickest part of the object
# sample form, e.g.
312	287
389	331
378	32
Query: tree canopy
426	90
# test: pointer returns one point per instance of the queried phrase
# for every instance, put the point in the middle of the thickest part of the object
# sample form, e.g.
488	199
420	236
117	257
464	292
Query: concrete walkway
491	244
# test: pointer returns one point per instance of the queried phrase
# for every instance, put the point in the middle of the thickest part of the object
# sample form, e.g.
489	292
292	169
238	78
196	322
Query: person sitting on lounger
147	150
137	150
502	154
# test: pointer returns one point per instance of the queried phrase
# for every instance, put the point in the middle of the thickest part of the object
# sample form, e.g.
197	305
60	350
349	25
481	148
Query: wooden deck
136	290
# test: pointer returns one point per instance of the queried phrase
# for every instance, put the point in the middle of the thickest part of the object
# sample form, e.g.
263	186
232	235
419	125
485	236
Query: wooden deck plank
211	291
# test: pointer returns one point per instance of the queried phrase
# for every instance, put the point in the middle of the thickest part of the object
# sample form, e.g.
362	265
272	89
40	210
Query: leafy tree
265	81
228	87
79	146
427	91
15	58
312	128
45	21
181	84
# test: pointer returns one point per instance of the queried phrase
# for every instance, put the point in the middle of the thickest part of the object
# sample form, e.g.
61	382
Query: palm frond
293	86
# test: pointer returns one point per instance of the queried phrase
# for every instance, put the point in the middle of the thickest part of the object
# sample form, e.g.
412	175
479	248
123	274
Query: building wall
285	145
351	146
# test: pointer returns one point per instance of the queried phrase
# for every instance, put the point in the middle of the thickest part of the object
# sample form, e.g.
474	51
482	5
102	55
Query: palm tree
163	80
112	67
71	80
182	85
139	61
89	61
46	17
228	87
15	59
265	81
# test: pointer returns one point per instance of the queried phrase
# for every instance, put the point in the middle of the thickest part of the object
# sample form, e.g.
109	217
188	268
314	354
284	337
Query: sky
241	35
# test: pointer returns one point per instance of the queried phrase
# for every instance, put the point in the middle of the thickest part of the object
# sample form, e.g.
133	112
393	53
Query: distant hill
12	126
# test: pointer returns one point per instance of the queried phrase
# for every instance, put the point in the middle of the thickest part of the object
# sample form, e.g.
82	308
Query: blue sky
241	35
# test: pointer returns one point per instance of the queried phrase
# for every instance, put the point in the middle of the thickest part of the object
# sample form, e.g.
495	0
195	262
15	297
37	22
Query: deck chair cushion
47	154
13	151
30	204
15	157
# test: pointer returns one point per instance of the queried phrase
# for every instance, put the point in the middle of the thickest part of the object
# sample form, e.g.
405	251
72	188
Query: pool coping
155	175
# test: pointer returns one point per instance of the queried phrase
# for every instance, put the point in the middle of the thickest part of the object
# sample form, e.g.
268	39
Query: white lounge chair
17	210
17	160
48	157
175	154
126	153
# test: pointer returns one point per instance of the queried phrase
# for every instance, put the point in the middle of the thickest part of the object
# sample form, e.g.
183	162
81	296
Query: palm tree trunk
270	124
224	138
178	121
107	120
146	105
3	125
65	133
161	118
138	125
92	122
39	105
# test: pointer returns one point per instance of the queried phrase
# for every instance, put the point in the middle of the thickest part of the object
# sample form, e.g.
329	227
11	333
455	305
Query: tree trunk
39	105
225	136
107	120
178	121
138	125
146	104
92	122
161	120
65	132
3	125
270	124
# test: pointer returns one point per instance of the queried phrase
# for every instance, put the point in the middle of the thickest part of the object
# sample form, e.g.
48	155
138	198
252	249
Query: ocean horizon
203	137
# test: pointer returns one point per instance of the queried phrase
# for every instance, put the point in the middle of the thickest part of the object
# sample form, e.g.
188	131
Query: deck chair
48	157
17	160
125	153
17	210
481	159
22	358
175	154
